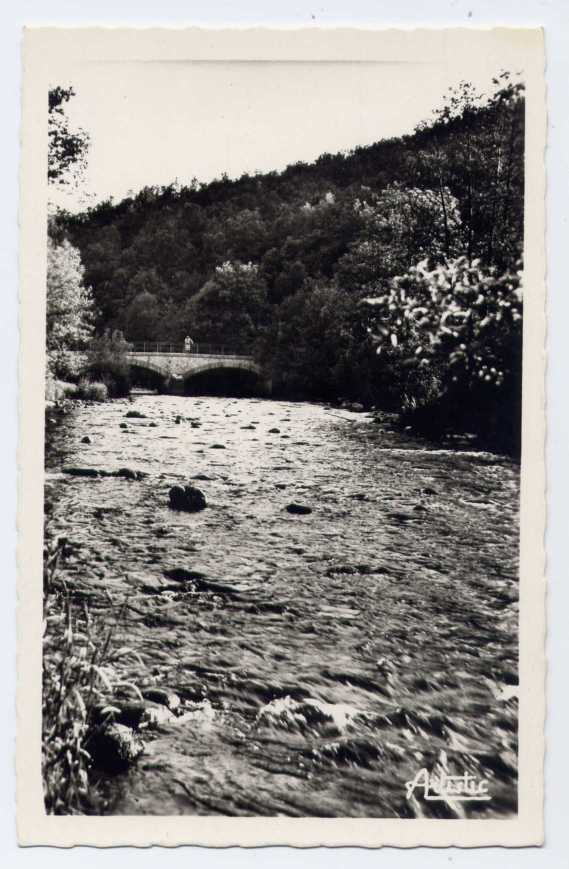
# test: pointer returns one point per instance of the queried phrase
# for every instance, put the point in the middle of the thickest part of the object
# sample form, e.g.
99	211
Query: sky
153	123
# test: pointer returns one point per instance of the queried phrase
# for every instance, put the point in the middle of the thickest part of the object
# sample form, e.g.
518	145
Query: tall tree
230	308
67	148
70	308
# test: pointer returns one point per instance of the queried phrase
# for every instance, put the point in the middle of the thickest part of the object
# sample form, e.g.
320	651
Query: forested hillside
286	263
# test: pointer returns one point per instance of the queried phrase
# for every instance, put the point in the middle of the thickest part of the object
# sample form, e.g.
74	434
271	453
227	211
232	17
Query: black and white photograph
284	345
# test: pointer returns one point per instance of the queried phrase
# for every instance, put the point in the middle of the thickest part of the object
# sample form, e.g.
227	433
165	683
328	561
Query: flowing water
321	659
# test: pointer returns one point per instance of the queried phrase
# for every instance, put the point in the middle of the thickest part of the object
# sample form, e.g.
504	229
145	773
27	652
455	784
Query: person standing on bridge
188	344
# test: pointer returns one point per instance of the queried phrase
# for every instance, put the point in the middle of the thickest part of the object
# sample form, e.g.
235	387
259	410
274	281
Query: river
323	659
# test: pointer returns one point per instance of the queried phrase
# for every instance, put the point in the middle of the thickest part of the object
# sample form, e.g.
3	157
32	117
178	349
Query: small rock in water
187	498
129	474
298	509
86	440
218	447
115	747
82	472
123	425
401	517
200	582
178	420
153	585
274	431
162	696
101	512
135	414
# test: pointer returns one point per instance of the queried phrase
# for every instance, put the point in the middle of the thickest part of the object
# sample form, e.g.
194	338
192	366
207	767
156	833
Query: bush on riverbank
455	330
108	362
58	390
92	390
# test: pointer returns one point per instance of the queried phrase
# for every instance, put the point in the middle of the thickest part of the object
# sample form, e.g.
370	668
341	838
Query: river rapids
324	658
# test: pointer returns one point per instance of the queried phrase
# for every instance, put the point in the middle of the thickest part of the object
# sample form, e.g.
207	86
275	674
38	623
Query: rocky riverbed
341	614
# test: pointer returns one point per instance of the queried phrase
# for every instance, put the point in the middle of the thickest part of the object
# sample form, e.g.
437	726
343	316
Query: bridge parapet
198	349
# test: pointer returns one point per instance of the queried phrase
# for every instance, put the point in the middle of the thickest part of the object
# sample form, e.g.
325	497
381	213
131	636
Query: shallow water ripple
330	655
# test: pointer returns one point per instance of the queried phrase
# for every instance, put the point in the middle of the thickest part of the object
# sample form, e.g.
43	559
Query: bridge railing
197	348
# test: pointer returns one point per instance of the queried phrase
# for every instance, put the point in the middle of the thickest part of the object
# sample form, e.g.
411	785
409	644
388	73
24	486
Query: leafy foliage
70	308
67	148
92	390
462	316
82	667
230	308
107	361
280	262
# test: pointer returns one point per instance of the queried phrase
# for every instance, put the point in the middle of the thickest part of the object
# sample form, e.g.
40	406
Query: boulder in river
115	747
274	431
187	498
218	447
135	414
86	440
298	509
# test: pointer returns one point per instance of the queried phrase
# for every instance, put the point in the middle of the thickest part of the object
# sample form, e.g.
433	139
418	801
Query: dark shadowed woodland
389	275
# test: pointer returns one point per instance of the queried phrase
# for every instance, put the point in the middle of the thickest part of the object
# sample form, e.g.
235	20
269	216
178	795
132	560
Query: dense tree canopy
281	263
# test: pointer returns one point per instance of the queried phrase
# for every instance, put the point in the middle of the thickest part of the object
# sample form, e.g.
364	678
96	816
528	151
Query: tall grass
82	668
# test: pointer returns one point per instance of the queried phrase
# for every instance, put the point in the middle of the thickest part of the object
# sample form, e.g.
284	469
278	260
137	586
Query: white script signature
442	787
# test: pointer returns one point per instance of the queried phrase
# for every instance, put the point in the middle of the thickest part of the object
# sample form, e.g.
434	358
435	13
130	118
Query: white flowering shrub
460	316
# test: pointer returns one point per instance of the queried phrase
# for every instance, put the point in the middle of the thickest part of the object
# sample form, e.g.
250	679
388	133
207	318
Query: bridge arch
224	377
221	364
148	375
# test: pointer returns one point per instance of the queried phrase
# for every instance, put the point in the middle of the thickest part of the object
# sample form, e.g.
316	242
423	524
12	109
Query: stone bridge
176	366
182	366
